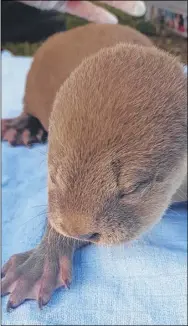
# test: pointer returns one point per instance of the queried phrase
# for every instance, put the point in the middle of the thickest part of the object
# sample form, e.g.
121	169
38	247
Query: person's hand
89	11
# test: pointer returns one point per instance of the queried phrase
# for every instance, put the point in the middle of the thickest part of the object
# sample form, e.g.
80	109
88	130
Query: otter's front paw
23	130
35	275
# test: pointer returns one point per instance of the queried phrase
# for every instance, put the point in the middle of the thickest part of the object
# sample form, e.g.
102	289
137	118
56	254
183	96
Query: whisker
181	197
42	162
174	212
41	152
32	218
40	206
181	192
42	213
41	189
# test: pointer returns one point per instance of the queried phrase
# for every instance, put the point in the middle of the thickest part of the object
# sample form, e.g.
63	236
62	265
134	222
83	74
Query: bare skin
35	274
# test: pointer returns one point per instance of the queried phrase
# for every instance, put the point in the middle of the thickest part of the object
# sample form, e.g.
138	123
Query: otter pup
117	155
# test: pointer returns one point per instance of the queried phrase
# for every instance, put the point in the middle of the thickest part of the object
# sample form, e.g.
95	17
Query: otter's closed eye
139	187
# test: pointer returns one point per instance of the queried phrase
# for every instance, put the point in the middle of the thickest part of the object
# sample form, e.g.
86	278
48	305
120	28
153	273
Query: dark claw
9	306
2	274
4	287
67	284
12	144
4	269
3	294
40	303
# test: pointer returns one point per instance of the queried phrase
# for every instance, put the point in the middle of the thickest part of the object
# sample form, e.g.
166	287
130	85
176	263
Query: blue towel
141	284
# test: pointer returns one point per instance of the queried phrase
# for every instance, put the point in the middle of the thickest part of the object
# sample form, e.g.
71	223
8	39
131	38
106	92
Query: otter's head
117	144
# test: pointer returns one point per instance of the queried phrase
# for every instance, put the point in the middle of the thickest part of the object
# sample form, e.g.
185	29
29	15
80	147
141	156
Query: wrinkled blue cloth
141	284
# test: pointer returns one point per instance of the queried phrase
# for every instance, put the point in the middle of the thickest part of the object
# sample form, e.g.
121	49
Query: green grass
23	49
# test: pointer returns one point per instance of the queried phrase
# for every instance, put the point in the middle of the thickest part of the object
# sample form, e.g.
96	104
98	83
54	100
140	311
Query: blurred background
24	28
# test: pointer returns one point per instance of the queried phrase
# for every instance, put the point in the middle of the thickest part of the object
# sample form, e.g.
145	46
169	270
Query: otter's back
61	54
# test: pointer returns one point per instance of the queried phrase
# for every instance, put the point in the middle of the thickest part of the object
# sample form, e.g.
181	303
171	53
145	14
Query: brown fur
117	143
61	54
117	140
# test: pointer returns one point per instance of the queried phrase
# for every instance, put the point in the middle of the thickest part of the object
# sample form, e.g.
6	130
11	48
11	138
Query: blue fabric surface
141	284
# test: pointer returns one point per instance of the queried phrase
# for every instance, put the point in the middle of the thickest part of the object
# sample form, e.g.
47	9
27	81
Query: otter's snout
77	227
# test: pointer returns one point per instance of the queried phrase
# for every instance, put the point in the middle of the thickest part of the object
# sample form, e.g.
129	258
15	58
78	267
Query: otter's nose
89	236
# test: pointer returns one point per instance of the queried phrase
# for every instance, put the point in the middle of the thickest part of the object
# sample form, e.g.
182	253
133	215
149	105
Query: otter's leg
23	130
37	273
